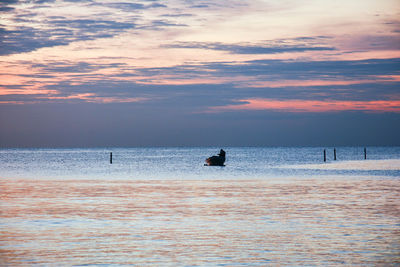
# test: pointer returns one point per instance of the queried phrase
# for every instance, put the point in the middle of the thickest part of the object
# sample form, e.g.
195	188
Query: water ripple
200	223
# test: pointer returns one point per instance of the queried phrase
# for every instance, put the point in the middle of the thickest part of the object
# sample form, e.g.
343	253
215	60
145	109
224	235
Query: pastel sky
183	72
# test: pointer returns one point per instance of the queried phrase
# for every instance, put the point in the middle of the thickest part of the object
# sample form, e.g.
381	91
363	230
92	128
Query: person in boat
217	160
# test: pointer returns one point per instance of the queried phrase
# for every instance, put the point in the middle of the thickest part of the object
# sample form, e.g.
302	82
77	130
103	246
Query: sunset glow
312	105
181	57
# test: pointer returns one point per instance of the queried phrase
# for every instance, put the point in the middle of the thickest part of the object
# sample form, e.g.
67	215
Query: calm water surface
185	163
161	207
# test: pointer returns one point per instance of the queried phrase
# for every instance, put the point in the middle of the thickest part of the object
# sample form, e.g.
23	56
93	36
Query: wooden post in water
334	153
324	155
365	153
110	157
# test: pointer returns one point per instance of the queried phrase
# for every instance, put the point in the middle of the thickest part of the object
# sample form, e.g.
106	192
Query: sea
161	206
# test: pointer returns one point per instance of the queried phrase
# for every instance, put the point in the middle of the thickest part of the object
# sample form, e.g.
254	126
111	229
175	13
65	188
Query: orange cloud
28	91
312	105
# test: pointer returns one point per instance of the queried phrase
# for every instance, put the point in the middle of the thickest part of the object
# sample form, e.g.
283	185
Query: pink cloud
302	83
311	105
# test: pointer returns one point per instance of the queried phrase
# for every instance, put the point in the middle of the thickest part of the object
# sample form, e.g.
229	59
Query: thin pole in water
365	153
324	155
334	153
110	157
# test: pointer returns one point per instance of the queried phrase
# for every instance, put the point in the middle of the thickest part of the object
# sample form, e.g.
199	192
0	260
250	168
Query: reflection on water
200	223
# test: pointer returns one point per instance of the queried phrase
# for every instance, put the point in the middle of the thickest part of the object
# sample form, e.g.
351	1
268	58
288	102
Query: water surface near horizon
185	163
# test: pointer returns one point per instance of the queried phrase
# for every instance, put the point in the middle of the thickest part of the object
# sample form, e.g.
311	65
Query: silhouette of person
217	160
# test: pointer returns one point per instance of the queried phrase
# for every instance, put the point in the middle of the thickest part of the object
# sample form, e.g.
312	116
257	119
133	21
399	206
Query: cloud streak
251	48
290	105
282	80
63	32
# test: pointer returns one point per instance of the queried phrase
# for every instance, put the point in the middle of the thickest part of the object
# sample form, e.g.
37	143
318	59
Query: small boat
216	160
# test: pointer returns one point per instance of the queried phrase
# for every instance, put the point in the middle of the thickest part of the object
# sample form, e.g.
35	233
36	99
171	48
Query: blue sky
176	73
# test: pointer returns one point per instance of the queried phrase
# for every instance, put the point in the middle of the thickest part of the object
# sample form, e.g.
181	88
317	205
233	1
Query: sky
102	73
